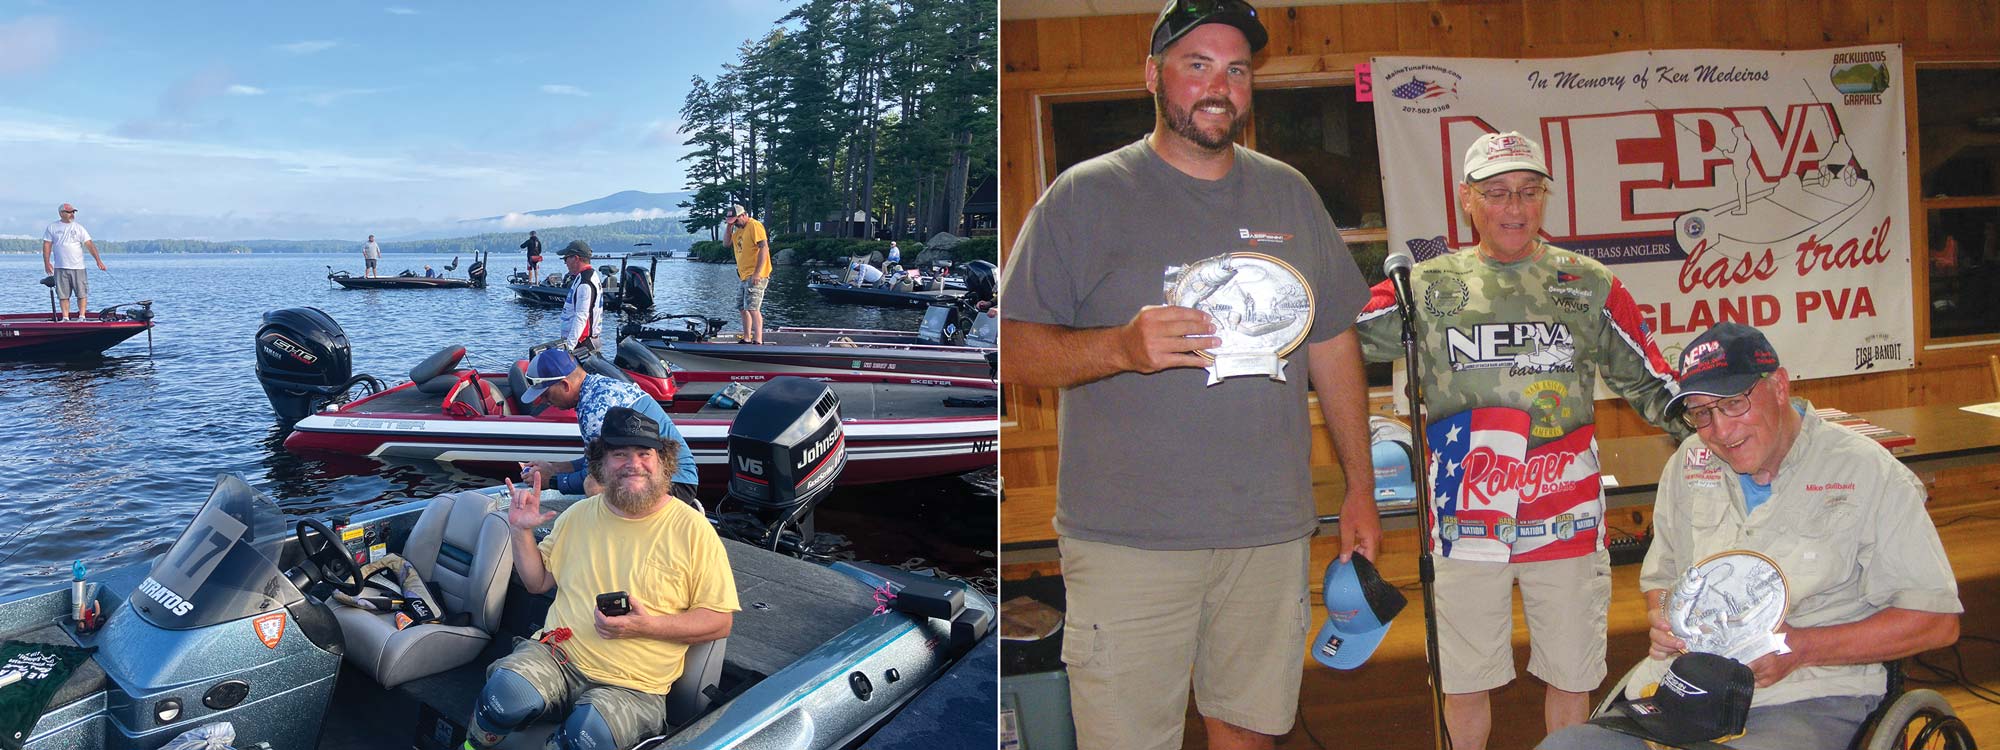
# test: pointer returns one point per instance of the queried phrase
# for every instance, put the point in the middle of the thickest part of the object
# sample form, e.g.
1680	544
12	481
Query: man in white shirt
67	239
370	253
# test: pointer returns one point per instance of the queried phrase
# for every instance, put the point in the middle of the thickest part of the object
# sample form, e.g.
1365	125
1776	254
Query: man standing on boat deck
554	376
585	303
1186	510
370	253
606	677
753	269
534	247
1548	323
63	244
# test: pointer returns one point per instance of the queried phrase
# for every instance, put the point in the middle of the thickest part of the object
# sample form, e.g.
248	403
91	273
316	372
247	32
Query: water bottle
79	592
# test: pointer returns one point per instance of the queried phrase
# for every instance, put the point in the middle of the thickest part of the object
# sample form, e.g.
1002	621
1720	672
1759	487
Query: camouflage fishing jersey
1511	354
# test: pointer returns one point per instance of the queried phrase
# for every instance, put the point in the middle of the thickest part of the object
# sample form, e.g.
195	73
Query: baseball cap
1496	153
1359	606
548	367
1723	361
1701	697
1182	16
625	427
578	248
733	211
66	208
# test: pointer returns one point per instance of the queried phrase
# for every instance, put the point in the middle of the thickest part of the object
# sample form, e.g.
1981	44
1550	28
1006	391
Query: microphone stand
1420	467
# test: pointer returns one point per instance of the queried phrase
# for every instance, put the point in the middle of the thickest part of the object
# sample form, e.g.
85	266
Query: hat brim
1719	386
534	393
1339	649
1646	713
633	442
1495	170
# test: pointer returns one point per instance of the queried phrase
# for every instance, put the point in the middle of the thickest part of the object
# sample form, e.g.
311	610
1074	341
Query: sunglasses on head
1187	14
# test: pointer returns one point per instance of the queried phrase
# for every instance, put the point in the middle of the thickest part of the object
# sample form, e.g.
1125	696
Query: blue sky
326	120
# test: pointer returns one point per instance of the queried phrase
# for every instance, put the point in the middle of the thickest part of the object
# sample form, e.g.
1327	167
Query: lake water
105	460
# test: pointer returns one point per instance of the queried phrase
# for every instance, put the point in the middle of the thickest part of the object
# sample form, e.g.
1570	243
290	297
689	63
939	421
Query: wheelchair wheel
1920	719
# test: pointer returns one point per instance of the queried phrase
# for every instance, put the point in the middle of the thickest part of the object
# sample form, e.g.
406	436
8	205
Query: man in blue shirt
554	377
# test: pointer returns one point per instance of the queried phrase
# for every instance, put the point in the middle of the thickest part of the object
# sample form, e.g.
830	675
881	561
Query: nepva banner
1766	188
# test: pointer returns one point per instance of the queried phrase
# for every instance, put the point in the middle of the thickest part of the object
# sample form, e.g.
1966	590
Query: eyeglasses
1734	406
1187	14
71	211
1503	196
533	381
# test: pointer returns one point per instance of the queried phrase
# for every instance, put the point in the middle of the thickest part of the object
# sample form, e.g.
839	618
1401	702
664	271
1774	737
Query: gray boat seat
436	374
460	547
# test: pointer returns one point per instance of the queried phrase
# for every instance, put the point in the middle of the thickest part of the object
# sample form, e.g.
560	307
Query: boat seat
517	384
473	396
596	364
460	547
436	374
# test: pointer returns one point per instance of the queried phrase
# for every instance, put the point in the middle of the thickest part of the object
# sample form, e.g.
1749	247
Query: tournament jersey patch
1446	296
1546	402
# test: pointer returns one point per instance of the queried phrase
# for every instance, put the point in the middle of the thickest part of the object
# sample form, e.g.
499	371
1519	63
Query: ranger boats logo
172	601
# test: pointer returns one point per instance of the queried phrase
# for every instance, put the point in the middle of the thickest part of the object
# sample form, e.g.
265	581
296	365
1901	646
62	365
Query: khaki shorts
750	295
1565	602
1139	622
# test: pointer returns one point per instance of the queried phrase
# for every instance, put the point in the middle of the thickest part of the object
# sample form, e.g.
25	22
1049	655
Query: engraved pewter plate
1730	604
1261	306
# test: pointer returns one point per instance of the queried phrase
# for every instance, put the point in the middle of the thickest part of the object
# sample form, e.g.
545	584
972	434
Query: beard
634	492
1181	121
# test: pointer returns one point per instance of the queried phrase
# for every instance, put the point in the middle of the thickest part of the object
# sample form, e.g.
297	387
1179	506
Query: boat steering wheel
330	562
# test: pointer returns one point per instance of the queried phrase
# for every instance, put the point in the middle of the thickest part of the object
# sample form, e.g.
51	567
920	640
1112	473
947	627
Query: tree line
887	106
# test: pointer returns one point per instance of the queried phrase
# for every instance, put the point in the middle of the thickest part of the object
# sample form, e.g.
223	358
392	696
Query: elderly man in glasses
63	244
1186	509
1518	332
555	378
1866	575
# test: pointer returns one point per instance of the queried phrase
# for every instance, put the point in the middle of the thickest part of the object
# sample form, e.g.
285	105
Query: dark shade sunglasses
1184	15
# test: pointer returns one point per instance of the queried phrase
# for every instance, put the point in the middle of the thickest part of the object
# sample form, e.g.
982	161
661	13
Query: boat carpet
857	401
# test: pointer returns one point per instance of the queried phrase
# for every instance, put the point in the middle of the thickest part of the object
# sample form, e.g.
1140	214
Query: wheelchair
1904	720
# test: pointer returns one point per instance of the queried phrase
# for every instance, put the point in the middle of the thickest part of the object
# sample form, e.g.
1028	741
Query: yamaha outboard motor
303	361
477	272
636	290
786	448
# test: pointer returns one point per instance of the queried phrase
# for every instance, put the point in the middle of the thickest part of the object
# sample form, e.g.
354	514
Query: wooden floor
1386	703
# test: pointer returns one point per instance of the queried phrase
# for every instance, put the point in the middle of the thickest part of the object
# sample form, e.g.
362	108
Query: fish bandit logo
1424	89
1877	347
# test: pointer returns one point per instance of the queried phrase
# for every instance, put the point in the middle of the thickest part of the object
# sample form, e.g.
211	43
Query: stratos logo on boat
172	601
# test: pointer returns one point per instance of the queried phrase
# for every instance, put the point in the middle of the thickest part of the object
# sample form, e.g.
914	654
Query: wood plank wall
1322	43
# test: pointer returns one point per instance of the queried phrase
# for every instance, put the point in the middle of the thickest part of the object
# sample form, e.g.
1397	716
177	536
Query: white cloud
401	11
31	44
662	133
308	47
242	90
563	89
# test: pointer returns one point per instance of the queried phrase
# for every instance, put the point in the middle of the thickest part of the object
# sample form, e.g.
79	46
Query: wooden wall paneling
1420	30
1114	41
1368	28
1920	230
1751	24
1604	22
1020	46
1495	29
1306	33
1017	166
1541	28
1062	44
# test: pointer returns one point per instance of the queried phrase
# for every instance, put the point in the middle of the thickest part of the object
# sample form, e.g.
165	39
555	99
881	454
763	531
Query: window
1958	135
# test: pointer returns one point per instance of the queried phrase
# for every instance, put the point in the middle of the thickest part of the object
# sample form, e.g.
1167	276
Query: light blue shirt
598	395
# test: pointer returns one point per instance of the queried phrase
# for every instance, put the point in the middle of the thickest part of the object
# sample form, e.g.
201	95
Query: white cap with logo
1497	153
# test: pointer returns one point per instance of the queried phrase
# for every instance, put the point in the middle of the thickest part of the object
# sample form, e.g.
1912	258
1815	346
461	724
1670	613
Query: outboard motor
636	289
477	273
303	361
786	448
982	281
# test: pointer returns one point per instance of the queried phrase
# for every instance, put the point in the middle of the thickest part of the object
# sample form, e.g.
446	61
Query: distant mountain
623	202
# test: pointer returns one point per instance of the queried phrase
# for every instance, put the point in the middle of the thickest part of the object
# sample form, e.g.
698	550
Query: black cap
1722	362
1182	16
625	427
578	248
1701	697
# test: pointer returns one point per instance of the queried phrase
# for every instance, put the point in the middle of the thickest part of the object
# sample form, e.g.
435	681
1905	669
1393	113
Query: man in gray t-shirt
1185	509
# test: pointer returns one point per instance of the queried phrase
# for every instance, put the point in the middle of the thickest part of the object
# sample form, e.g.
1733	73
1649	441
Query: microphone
1397	267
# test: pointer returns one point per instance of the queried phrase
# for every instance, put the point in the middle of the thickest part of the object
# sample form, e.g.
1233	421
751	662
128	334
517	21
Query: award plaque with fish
1730	604
1261	306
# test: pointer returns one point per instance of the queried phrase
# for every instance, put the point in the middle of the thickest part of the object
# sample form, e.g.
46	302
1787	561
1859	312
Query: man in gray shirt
1185	509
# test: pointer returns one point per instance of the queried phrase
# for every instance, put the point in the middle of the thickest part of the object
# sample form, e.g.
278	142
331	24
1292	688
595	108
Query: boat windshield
223	565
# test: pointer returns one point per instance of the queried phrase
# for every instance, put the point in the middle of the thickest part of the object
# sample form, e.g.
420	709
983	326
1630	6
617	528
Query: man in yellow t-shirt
753	267
609	672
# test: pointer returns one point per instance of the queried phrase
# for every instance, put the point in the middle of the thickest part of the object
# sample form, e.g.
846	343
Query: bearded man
608	673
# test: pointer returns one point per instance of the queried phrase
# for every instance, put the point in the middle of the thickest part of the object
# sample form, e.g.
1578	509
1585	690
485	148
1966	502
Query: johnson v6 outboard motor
303	361
786	448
